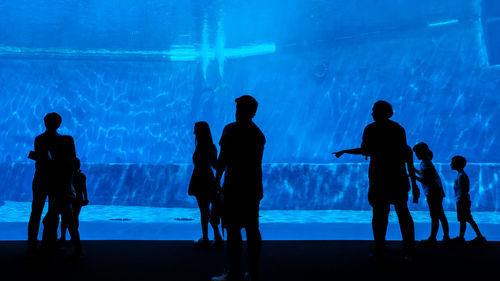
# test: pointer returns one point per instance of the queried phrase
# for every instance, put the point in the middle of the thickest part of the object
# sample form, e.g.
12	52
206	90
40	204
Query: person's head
202	133
458	163
422	151
52	121
246	107
382	110
77	164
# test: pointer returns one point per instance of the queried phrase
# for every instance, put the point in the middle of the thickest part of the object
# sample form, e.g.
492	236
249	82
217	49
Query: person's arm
463	182
221	161
355	151
411	171
84	190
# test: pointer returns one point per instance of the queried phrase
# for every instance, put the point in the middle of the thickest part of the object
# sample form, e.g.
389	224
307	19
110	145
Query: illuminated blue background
130	79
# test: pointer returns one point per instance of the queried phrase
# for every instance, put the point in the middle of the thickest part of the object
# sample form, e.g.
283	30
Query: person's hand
338	154
31	155
84	202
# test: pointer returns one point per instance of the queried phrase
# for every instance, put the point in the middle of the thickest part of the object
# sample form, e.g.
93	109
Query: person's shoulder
258	132
231	126
41	136
395	124
65	138
371	126
229	130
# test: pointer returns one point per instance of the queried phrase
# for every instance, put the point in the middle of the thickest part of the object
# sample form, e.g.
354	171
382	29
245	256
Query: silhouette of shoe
202	242
429	242
248	277
61	242
458	241
218	243
480	240
446	239
225	277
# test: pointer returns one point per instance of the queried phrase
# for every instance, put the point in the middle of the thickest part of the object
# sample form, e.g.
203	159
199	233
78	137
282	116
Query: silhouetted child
81	199
433	189
461	188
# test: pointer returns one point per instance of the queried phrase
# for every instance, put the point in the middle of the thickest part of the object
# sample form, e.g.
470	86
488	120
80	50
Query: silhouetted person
462	197
433	189
202	184
384	141
242	147
61	197
81	199
43	180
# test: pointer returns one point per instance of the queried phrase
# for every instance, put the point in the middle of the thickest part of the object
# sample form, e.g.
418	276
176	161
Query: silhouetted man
242	147
43	180
384	141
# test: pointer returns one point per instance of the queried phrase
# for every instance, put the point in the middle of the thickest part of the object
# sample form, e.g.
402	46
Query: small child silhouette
461	188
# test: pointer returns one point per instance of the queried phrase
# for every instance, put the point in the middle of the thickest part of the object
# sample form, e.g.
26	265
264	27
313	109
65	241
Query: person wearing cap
43	180
384	141
240	158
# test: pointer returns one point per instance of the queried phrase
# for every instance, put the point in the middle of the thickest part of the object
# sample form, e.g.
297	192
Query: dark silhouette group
56	169
235	203
390	172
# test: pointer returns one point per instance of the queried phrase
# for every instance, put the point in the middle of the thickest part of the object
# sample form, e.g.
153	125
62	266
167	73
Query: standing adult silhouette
384	141
242	148
43	180
202	184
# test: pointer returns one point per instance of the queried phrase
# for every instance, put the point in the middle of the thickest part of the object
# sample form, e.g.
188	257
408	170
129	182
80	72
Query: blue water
130	79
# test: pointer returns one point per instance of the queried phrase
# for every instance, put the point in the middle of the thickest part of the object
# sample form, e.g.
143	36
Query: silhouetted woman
202	184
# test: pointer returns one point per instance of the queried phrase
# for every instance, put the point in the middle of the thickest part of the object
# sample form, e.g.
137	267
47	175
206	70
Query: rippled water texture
130	79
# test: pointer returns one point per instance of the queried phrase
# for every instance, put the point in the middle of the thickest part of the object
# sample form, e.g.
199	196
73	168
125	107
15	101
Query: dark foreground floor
281	260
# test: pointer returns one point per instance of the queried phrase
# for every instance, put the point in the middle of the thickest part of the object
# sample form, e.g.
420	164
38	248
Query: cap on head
382	109
52	121
459	161
246	106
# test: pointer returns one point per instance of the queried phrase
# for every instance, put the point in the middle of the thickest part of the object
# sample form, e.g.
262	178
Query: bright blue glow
443	23
130	79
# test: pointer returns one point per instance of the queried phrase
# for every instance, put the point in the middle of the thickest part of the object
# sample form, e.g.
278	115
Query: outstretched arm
355	151
411	171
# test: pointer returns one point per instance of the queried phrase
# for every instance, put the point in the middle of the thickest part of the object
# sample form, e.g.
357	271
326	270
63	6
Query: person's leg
214	221
380	220
37	205
254	246
204	205
474	226
234	248
462	218
76	214
463	227
442	217
434	218
406	226
67	214
50	225
64	228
